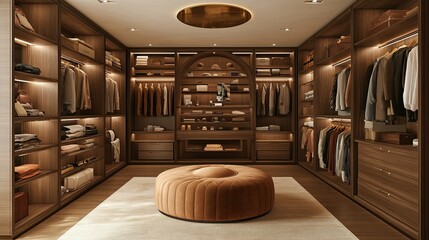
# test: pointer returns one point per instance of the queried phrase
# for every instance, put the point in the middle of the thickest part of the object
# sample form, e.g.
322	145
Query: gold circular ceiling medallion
214	16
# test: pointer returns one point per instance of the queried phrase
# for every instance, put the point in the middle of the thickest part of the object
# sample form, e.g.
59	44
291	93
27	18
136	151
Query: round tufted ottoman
214	193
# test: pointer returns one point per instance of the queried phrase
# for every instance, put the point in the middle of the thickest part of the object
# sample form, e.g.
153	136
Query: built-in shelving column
35	117
115	106
82	104
275	115
152	109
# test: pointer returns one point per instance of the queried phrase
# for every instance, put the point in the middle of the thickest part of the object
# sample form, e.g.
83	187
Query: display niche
215	116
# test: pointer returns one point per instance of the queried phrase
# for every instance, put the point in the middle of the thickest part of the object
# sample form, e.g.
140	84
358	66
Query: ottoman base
214	193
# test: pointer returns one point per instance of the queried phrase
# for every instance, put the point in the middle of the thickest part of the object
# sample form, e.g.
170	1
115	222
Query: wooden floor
362	223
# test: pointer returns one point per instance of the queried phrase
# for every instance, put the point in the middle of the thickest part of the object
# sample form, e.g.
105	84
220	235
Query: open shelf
33	119
35	211
80	168
404	26
74	194
36	148
43	173
343	54
76	140
78	56
32	77
306	71
33	37
114	70
79	152
154	67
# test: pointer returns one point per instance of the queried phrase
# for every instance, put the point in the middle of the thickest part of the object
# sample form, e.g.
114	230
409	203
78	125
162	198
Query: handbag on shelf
23	97
21	20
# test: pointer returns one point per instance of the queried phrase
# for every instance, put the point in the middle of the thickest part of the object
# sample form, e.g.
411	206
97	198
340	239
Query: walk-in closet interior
348	105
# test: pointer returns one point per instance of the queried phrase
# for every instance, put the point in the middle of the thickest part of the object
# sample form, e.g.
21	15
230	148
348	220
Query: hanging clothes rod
400	38
70	59
342	61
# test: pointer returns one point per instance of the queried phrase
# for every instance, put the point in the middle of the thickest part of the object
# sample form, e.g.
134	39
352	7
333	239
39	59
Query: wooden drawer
402	161
266	146
392	204
272	155
380	175
155	146
158	155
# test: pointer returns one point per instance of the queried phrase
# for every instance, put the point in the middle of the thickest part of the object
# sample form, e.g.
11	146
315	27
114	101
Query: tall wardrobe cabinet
60	62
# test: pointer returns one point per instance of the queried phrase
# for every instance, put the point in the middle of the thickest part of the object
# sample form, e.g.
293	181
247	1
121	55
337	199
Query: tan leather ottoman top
214	193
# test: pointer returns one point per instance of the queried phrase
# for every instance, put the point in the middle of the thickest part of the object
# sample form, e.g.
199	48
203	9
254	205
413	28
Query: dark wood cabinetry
383	177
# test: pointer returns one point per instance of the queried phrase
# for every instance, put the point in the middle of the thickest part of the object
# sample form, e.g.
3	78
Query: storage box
285	71
69	43
382	127
76	181
389	15
21	206
398	138
383	25
372	135
263	62
280	61
202	88
336	47
85	50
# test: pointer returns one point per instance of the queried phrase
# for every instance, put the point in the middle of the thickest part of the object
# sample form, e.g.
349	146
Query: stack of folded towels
213	147
86	144
141	60
113	61
26	171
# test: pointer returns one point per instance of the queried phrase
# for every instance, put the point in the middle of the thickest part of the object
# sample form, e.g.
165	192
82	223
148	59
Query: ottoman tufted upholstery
214	193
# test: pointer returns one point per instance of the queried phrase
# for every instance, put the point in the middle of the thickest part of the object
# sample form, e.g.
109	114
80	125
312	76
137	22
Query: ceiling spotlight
106	1
133	29
313	1
214	44
149	44
273	44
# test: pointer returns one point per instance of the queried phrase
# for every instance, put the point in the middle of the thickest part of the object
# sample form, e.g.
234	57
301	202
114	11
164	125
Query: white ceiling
157	23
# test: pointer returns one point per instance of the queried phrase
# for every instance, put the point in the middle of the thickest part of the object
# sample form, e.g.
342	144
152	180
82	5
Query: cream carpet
130	213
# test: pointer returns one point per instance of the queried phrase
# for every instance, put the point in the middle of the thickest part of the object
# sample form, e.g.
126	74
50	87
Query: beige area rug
130	213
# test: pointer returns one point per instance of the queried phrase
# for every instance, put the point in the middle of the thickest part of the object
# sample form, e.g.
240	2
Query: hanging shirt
139	94
411	87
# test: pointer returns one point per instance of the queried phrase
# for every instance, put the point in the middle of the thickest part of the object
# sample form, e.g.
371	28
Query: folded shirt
73	128
75	135
69	148
24	137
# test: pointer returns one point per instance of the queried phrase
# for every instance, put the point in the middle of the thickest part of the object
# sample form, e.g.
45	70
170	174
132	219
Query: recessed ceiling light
133	29
149	44
288	29
273	44
214	44
106	1
313	1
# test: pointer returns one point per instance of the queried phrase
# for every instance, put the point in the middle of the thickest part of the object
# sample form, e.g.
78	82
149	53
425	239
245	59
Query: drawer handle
385	150
385	193
384	171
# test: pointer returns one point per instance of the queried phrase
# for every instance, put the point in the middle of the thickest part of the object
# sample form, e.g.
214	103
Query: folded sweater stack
26	171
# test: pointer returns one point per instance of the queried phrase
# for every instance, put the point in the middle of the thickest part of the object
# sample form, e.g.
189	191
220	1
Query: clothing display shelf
214	107
36	49
373	48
